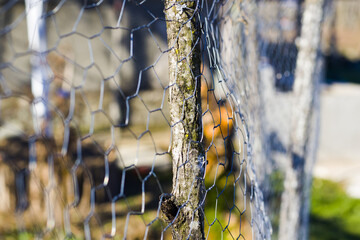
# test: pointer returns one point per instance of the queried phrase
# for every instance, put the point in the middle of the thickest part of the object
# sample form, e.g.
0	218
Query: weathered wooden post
184	209
36	26
293	221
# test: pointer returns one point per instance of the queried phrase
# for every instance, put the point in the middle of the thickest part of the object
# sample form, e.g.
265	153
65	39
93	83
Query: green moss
184	63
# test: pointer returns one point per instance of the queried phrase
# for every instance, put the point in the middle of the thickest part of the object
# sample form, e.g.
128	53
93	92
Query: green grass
334	215
18	235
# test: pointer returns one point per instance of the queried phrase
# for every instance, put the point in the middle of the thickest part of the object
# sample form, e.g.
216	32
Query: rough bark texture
183	32
293	222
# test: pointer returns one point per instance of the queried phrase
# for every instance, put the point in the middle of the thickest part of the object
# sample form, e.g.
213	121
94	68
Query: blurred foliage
334	215
18	235
224	218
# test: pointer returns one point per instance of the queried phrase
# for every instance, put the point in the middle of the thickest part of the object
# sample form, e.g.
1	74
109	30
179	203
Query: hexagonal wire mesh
97	141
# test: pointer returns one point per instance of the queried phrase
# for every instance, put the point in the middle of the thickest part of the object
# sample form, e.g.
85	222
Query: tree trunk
184	209
293	223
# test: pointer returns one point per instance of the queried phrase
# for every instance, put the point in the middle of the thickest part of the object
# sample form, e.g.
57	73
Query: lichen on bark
183	33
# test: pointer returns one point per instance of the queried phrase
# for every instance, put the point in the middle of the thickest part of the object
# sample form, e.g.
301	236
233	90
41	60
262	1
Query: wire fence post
36	26
293	223
185	206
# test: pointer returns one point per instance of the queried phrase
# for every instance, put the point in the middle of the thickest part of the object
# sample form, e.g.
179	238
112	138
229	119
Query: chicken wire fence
144	119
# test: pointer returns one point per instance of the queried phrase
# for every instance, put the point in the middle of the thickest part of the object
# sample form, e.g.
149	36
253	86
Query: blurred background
335	203
335	209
